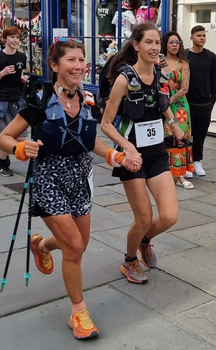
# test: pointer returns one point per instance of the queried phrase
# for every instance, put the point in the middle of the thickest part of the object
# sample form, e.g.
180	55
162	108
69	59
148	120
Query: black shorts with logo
155	162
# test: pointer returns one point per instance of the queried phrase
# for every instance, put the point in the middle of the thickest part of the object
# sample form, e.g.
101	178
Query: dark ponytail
127	55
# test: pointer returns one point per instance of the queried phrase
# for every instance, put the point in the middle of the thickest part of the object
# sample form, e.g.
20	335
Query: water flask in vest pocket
88	133
52	134
134	104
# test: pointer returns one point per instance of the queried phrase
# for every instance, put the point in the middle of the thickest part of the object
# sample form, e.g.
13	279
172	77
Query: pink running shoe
148	256
133	272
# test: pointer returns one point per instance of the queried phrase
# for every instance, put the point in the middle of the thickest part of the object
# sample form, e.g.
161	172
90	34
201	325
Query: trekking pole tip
3	282
27	276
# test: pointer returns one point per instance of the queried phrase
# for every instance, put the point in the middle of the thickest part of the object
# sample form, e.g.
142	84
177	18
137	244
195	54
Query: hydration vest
53	129
134	102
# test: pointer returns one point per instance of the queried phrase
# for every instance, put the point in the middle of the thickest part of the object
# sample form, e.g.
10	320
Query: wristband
20	151
114	157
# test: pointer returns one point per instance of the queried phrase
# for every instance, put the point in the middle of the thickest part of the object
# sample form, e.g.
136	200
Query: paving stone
200	321
199	207
202	185
119	188
184	194
7	225
10	207
210	198
100	191
194	266
210	175
201	235
118	208
100	266
105	219
98	170
6	191
112	311
3	196
165	294
164	244
109	199
188	218
17	178
102	180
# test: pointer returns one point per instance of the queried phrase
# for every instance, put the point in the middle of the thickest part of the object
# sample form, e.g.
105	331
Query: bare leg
3	155
83	223
71	244
140	203
163	190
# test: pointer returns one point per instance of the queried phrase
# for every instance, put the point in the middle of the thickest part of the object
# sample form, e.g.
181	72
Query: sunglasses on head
177	42
64	40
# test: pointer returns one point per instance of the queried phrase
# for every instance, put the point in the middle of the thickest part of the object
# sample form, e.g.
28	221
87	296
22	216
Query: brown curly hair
164	41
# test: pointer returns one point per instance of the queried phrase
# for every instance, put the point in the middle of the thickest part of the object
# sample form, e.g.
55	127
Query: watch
173	120
14	149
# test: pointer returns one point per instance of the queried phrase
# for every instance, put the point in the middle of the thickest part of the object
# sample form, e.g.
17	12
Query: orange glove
20	151
114	157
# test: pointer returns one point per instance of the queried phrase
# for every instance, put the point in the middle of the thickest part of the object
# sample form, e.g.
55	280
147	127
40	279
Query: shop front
42	20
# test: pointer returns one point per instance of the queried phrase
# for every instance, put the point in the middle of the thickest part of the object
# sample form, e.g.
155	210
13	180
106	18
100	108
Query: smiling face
173	44
12	42
149	47
70	68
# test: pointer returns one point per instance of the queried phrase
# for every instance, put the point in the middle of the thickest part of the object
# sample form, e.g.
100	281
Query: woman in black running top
141	132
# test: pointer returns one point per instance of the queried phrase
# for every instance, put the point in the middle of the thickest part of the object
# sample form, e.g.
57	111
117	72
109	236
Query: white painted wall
187	20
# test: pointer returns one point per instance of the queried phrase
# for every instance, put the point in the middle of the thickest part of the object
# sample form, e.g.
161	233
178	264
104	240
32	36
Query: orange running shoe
43	261
81	324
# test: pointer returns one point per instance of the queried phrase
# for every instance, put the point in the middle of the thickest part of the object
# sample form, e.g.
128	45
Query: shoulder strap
129	72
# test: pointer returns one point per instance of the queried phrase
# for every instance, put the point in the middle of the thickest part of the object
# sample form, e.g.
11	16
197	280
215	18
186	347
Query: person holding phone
12	64
141	132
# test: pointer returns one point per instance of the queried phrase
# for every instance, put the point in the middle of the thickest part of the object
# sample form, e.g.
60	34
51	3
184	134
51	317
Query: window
203	16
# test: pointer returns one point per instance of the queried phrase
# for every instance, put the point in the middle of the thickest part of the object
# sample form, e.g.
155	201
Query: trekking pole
27	274
30	90
41	107
25	186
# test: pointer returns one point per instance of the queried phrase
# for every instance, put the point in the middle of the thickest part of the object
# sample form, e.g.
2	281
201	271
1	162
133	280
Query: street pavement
175	310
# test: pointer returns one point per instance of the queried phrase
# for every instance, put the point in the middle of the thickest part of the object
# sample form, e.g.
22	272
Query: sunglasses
64	40
177	42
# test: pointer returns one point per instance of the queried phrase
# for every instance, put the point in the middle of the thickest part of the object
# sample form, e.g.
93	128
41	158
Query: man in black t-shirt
202	93
12	64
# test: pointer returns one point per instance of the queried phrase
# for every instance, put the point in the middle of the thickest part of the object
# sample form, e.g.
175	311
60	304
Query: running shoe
198	169
148	256
6	172
43	261
82	326
133	272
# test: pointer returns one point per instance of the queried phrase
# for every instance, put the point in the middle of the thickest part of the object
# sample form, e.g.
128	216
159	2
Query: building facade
195	12
42	20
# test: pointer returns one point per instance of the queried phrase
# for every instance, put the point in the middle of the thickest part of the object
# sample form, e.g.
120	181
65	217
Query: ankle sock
145	240
78	307
4	163
129	259
42	247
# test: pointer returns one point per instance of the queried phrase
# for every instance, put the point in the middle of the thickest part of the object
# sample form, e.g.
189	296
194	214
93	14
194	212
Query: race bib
149	133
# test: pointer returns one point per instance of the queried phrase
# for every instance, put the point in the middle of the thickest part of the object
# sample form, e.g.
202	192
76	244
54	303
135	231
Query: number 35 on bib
149	133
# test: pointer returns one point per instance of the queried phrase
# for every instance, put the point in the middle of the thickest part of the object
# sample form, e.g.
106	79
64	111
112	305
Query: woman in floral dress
177	70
